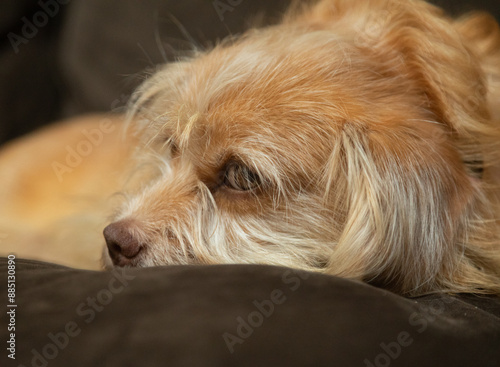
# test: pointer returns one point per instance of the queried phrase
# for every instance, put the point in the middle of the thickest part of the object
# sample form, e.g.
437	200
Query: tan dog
357	138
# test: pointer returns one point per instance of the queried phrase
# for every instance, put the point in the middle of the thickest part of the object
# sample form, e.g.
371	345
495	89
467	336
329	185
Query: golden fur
356	138
60	218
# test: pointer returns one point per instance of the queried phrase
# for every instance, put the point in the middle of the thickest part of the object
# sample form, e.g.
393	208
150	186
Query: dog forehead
283	86
270	70
265	82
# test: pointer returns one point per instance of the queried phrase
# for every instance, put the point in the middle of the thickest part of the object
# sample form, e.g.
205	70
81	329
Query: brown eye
241	178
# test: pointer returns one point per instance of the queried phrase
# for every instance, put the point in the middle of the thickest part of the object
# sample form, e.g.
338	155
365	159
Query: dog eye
241	178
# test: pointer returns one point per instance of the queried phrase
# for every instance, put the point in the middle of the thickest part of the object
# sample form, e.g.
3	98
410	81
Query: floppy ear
481	33
458	69
446	59
417	220
405	207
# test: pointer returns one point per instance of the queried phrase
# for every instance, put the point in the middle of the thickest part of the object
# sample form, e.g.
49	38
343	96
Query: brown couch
237	315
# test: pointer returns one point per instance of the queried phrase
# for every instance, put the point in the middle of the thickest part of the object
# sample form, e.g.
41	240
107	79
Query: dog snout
123	246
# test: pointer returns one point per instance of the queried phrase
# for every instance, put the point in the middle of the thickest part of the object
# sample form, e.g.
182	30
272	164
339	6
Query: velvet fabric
238	315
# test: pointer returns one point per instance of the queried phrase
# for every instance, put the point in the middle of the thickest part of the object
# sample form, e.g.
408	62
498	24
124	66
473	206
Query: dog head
337	141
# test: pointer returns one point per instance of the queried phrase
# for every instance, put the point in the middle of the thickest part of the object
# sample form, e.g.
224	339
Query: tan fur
367	124
60	218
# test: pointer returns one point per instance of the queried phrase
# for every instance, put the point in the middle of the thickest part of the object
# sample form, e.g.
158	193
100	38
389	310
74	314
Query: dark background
90	54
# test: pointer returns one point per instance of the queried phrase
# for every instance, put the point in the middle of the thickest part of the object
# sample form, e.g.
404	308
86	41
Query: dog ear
457	66
417	220
404	208
413	222
481	33
447	60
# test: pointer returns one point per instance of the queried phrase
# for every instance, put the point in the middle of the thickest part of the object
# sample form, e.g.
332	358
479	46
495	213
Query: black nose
123	247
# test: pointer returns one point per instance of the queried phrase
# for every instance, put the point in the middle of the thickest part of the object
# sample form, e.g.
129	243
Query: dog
356	138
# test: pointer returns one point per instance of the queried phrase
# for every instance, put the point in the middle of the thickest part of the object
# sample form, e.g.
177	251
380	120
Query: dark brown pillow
238	315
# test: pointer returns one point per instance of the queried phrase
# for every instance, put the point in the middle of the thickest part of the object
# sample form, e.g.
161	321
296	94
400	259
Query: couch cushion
239	315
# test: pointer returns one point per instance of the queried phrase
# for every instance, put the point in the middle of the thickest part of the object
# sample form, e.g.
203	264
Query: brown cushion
239	315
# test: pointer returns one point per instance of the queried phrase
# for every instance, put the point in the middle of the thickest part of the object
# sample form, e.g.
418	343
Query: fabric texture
239	315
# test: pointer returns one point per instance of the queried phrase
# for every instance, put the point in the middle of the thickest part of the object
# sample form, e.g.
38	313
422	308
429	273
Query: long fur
374	129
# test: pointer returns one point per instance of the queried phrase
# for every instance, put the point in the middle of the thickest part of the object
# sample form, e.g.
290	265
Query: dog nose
123	247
